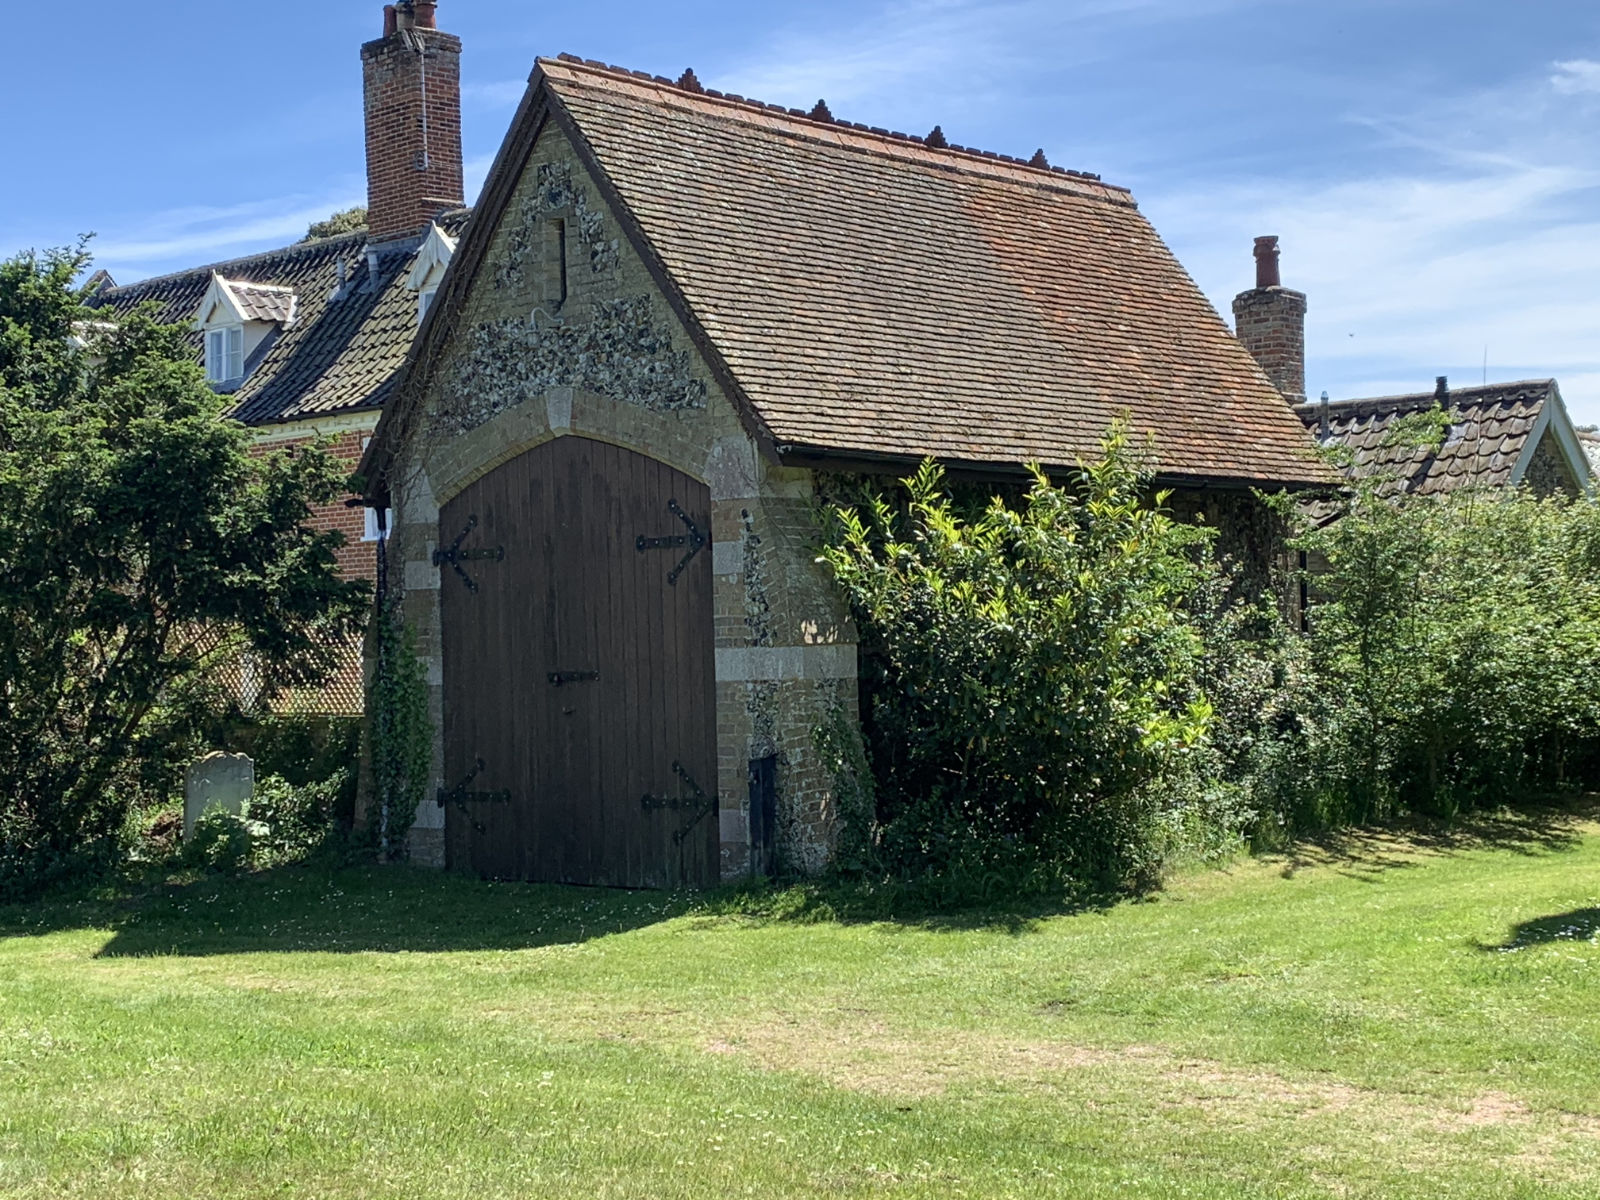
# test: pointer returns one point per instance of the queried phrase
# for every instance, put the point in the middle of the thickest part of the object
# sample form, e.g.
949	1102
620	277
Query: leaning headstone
218	780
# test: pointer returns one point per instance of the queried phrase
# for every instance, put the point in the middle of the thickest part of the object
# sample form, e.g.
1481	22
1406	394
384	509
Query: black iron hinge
693	539
462	795
702	804
454	555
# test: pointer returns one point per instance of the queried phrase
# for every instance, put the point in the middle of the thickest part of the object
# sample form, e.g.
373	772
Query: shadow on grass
347	910
1579	925
319	908
1369	852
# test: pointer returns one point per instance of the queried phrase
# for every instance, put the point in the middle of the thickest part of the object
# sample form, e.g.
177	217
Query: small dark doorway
579	686
763	815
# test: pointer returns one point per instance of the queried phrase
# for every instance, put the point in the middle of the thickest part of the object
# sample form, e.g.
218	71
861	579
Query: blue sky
1432	166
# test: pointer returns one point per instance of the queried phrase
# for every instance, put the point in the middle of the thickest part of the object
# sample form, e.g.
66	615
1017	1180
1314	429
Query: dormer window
225	354
240	320
427	269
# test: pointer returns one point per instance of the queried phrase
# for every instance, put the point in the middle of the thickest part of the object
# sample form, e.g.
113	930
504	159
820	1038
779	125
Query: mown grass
1373	1016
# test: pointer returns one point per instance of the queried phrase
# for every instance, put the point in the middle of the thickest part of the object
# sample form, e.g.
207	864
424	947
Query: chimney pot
390	26
1441	387
426	17
1267	263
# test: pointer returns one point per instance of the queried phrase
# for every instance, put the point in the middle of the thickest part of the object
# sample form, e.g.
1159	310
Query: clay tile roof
264	302
339	349
1488	431
873	295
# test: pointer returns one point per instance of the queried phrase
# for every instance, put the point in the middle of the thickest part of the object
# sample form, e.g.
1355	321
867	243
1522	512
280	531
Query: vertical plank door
578	670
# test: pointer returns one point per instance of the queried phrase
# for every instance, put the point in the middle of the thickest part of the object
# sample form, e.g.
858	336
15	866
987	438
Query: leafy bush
304	750
1030	673
294	820
1453	656
221	842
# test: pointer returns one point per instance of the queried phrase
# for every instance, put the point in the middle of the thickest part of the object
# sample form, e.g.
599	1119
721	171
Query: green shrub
143	545
221	842
1455	651
305	750
294	820
1030	673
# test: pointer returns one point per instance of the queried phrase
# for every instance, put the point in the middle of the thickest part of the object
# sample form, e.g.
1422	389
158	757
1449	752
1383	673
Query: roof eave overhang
866	462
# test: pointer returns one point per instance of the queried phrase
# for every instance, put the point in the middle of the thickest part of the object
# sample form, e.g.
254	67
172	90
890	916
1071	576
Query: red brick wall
402	192
357	559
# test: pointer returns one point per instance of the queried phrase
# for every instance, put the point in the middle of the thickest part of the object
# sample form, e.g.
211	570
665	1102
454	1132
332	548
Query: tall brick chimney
1270	320
412	77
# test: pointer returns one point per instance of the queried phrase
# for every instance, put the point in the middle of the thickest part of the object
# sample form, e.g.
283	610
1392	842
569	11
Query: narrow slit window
556	255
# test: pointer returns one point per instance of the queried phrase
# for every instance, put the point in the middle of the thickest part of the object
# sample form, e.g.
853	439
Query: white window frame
371	533
225	353
425	302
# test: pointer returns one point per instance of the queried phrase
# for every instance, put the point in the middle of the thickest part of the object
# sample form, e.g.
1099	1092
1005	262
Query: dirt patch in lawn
871	1057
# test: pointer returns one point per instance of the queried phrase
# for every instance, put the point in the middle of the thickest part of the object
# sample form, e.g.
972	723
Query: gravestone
218	780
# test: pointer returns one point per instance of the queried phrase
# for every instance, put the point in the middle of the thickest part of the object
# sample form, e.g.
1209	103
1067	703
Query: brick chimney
1270	320
412	77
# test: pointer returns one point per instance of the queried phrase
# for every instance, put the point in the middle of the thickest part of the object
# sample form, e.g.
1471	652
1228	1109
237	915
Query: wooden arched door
579	686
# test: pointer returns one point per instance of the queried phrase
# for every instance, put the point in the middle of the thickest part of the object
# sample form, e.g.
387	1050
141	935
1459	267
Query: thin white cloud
1576	75
186	237
1409	277
876	63
474	171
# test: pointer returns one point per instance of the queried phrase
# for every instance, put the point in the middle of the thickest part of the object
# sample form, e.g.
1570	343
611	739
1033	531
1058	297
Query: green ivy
401	734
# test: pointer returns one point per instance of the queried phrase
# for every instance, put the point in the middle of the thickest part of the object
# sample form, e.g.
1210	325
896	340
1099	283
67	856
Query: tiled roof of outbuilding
871	295
345	344
1489	430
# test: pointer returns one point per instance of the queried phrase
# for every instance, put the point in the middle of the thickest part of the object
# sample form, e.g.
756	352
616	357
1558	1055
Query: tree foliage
348	220
1454	650
141	545
1031	669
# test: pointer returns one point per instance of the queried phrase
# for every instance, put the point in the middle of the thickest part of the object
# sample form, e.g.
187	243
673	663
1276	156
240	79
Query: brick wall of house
358	559
412	82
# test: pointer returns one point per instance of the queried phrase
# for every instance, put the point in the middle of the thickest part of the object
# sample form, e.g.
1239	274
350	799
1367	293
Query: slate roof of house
1490	429
344	346
869	296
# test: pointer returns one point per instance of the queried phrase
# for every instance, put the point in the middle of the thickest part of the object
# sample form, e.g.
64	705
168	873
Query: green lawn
1383	1018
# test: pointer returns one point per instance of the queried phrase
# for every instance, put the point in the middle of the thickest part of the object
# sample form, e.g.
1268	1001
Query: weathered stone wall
564	332
1250	537
1548	473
